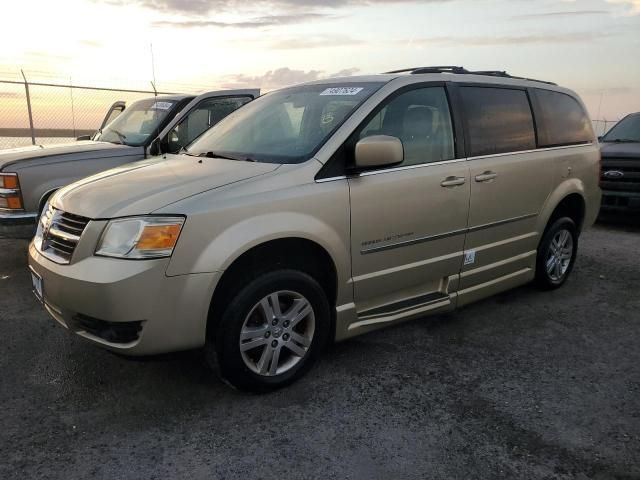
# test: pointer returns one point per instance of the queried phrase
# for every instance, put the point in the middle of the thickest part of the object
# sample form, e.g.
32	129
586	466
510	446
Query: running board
404	308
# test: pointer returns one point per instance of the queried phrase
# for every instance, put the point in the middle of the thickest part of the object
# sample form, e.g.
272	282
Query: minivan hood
620	150
51	153
142	187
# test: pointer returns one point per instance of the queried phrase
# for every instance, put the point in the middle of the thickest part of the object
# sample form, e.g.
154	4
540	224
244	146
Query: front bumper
172	311
618	201
17	224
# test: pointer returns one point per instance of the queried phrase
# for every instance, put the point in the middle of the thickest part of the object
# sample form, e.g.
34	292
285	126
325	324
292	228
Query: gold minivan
323	211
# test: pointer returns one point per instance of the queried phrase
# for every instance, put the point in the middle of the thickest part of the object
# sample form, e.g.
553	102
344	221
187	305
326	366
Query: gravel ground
523	385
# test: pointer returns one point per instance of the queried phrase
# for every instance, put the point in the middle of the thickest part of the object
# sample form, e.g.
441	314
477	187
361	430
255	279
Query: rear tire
271	332
556	254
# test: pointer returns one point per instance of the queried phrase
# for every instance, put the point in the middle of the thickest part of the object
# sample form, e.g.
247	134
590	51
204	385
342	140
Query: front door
408	222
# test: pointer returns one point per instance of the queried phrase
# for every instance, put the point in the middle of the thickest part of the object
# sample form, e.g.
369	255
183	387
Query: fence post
26	87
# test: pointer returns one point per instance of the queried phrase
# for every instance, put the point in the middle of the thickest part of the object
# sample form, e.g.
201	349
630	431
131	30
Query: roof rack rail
438	69
463	71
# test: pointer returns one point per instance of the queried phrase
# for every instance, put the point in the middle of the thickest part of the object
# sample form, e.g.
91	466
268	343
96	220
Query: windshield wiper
226	157
623	140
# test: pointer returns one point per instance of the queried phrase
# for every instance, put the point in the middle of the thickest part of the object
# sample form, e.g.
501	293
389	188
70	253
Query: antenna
153	67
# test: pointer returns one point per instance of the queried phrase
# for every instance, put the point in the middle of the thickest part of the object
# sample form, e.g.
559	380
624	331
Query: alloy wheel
277	333
559	255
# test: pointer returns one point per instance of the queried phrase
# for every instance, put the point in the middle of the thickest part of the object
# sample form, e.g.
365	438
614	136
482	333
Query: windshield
627	130
285	126
137	123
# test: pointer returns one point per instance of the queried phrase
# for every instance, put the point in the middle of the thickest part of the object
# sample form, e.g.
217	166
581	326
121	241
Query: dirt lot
524	385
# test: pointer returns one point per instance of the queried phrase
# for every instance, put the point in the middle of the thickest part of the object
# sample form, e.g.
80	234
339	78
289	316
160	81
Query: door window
204	116
421	119
499	120
561	120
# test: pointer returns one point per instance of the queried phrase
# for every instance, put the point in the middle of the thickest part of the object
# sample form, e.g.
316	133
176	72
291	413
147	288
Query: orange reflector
157	237
10	182
12	203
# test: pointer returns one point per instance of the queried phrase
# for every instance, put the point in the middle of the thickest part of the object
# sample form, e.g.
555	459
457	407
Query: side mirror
378	151
600	138
83	137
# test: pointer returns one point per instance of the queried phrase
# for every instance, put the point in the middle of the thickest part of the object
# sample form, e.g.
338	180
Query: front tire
272	331
556	254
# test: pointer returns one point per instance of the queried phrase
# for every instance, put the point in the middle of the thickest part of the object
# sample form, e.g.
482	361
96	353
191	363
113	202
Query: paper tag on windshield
161	106
342	91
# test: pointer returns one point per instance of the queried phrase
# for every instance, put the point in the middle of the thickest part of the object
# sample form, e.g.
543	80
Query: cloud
257	22
90	43
281	77
315	41
199	7
634	5
561	14
531	39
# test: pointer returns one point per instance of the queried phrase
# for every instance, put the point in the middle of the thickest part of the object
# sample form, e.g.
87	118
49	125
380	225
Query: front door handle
453	181
486	177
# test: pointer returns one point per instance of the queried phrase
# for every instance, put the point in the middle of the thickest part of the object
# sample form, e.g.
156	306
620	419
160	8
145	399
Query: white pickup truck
153	126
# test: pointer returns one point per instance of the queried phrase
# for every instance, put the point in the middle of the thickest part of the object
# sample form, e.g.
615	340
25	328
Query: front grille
620	174
61	233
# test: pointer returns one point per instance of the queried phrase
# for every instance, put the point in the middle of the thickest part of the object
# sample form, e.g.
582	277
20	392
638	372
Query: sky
591	46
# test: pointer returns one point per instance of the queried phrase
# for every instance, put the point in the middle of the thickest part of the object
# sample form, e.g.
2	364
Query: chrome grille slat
61	246
68	218
61	234
72	231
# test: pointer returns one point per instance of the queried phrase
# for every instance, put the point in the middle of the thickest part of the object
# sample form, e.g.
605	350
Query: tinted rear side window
561	120
499	120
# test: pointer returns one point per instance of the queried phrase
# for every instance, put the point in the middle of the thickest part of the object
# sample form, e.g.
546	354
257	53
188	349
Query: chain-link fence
46	113
603	126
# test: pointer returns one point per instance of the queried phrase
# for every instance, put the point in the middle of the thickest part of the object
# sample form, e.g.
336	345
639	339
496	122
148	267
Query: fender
563	190
225	249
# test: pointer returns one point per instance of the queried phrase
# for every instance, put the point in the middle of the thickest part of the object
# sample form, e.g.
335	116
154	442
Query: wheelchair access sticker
342	91
469	257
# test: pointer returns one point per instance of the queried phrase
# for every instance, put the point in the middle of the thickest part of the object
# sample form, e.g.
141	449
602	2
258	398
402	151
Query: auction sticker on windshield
342	91
161	106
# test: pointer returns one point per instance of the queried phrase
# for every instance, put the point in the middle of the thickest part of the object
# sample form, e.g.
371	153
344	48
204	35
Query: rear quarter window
499	120
561	120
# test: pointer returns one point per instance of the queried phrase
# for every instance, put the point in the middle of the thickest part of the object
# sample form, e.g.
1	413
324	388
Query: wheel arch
568	200
295	252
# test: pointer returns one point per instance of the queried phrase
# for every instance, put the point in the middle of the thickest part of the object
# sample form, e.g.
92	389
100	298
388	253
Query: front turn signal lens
9	181
159	237
12	202
10	198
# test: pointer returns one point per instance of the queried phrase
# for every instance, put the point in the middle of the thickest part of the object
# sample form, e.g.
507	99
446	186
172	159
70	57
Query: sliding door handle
486	177
453	181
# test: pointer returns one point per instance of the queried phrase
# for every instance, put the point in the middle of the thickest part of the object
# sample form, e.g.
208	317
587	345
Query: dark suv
621	166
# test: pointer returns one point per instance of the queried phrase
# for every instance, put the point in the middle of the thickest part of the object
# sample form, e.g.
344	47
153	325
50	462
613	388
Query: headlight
141	237
43	222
